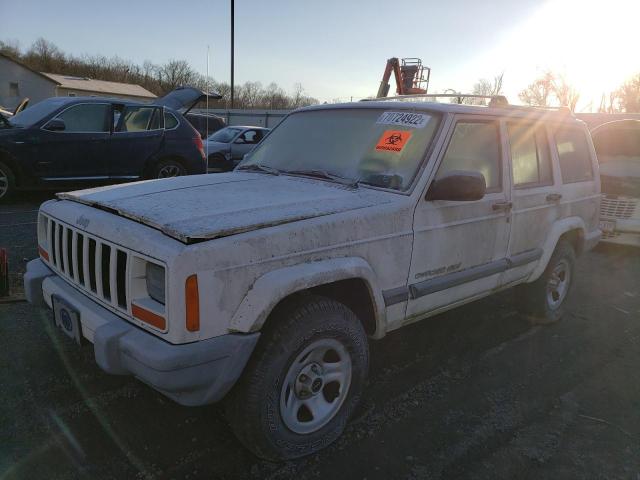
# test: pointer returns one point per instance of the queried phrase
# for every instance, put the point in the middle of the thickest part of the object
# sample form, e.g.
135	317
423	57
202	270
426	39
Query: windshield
225	135
374	146
37	112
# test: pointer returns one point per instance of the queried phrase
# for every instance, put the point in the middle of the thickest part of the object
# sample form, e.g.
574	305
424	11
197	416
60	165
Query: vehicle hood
621	177
203	207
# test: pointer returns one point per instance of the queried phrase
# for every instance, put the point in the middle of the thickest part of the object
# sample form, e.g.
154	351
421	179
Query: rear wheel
7	181
168	168
303	381
543	300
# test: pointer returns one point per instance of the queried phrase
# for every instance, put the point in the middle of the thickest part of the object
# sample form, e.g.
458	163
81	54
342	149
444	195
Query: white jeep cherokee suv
349	221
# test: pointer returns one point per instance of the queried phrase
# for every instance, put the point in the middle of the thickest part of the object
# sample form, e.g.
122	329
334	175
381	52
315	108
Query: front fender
272	287
559	228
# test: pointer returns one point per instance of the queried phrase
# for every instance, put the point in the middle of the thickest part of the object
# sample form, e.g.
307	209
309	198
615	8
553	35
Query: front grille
96	266
617	207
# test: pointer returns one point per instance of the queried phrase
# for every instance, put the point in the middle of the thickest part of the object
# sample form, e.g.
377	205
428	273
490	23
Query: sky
338	49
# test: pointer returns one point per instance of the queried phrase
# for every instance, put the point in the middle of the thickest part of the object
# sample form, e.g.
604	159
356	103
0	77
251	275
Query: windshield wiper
316	173
254	167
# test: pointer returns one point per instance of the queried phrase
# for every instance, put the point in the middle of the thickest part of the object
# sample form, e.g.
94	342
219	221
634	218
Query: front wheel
543	300
303	381
7	181
168	169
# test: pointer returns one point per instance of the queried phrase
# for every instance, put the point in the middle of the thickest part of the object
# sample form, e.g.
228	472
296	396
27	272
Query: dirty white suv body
235	247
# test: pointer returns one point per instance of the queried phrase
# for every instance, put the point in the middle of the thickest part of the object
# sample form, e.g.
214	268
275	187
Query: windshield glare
380	147
37	112
225	135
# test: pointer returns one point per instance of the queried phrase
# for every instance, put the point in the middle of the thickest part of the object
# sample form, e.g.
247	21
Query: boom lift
409	74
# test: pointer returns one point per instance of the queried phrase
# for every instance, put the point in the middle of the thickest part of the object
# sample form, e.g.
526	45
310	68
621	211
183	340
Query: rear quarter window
573	154
170	121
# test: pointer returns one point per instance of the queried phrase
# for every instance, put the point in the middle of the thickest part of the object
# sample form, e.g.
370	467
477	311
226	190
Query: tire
168	169
7	181
543	300
267	409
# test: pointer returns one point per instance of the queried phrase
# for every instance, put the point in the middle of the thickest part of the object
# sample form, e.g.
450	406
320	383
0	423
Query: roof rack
494	100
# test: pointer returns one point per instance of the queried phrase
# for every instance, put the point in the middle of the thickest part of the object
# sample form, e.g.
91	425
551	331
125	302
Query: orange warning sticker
393	140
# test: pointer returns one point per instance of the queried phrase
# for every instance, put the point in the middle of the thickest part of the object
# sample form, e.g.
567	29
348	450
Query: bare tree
566	94
485	86
538	93
628	95
159	79
45	55
11	48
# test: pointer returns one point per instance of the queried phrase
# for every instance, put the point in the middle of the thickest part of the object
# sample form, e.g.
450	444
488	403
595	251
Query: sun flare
592	43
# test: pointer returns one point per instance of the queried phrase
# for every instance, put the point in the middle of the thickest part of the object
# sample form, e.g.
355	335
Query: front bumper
196	373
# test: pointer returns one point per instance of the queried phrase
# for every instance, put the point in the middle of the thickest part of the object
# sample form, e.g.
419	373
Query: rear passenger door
579	173
535	195
138	135
460	248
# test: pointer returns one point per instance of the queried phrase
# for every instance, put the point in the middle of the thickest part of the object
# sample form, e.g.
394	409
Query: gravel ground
473	393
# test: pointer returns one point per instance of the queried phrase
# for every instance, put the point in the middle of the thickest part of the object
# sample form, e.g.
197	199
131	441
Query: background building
18	81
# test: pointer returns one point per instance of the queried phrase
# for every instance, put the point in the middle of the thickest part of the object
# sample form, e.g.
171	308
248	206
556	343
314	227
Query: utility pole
232	49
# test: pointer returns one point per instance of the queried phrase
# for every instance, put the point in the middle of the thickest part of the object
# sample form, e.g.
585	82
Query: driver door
244	143
460	247
78	153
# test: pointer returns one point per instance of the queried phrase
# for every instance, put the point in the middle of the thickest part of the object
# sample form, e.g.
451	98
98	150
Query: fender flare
272	287
560	227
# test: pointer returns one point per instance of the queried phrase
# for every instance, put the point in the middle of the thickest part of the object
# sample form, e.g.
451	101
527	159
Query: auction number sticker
393	140
404	119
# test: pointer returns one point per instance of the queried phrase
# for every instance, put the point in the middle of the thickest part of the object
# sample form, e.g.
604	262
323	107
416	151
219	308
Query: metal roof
99	86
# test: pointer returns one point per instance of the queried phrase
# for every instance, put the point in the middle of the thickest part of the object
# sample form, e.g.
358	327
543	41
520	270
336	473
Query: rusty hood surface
203	207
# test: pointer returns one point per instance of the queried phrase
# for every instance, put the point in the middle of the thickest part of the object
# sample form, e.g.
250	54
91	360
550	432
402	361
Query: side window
574	155
529	155
87	117
170	121
474	146
250	136
139	119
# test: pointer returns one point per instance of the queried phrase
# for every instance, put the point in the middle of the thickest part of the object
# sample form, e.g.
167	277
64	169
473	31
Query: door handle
554	197
502	206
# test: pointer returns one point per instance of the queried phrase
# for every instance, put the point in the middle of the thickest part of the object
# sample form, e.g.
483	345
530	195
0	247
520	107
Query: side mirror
239	140
458	185
55	125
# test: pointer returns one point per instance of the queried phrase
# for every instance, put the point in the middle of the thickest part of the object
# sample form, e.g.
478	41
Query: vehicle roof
514	111
123	101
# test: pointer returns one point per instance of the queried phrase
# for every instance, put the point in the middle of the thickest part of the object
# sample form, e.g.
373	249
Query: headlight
155	282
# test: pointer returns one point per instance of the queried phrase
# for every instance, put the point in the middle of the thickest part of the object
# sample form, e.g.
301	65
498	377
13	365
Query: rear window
574	155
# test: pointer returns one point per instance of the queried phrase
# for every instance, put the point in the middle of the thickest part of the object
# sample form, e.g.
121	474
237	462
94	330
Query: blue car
71	142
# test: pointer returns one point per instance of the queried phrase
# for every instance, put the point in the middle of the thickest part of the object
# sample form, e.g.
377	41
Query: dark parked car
226	147
205	124
67	142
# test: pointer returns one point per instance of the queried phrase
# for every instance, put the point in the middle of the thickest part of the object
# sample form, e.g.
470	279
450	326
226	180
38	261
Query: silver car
226	147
